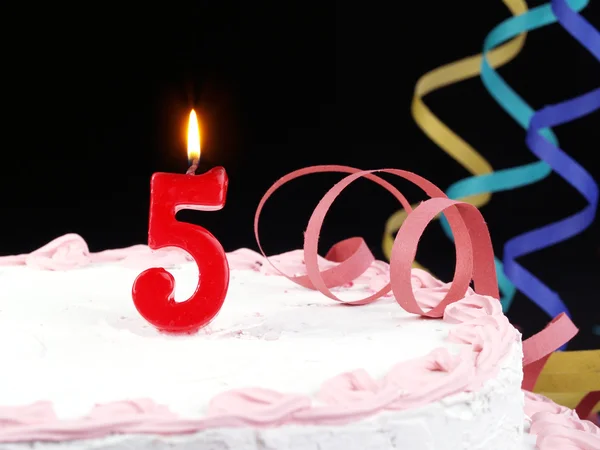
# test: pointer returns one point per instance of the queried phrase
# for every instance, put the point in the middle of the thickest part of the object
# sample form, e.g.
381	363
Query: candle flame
193	138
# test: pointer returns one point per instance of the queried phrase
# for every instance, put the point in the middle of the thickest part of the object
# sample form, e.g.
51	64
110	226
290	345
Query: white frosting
74	338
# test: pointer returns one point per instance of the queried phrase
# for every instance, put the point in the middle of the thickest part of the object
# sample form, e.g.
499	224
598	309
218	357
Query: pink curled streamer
472	242
353	254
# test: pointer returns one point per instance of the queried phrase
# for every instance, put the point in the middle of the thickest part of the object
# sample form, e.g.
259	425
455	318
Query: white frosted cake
281	367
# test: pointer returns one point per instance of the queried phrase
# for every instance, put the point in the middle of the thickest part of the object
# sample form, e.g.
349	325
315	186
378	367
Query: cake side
316	366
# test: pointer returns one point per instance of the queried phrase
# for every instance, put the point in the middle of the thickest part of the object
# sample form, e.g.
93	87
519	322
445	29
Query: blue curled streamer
565	166
521	112
572	173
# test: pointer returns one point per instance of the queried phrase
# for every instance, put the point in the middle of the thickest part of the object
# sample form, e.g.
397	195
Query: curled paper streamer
570	378
474	254
574	372
559	231
448	140
474	257
517	108
539	347
590	405
564	166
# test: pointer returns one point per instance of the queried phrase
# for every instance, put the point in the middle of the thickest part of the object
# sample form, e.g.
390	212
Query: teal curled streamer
521	112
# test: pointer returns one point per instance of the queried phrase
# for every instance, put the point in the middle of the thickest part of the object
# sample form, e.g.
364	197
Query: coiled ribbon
574	373
517	108
589	37
474	253
441	134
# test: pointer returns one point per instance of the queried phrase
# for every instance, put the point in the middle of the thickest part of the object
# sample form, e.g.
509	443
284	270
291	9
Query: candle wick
193	167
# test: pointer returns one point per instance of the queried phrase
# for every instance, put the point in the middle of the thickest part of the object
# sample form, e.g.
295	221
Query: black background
96	99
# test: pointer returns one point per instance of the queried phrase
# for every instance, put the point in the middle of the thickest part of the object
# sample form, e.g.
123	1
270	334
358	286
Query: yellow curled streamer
568	376
438	132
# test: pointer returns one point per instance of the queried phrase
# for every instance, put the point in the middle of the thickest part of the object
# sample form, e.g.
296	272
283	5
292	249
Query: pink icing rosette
472	307
34	414
557	427
129	408
64	253
71	251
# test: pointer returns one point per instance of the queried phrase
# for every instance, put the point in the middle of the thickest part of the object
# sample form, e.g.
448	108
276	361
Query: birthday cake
281	367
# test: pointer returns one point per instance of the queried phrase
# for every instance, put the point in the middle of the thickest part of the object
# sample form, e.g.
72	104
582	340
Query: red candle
153	289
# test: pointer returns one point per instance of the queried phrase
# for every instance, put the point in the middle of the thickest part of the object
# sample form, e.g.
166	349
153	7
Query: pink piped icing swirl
429	291
131	408
256	406
23	416
557	427
409	384
71	251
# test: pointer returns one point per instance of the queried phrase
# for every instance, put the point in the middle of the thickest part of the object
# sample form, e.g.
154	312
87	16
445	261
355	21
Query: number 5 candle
153	289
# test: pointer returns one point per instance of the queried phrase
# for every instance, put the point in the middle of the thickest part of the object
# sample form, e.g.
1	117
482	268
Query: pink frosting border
480	324
557	427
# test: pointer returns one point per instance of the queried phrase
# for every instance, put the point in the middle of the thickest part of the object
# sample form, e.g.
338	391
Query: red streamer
538	348
586	405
